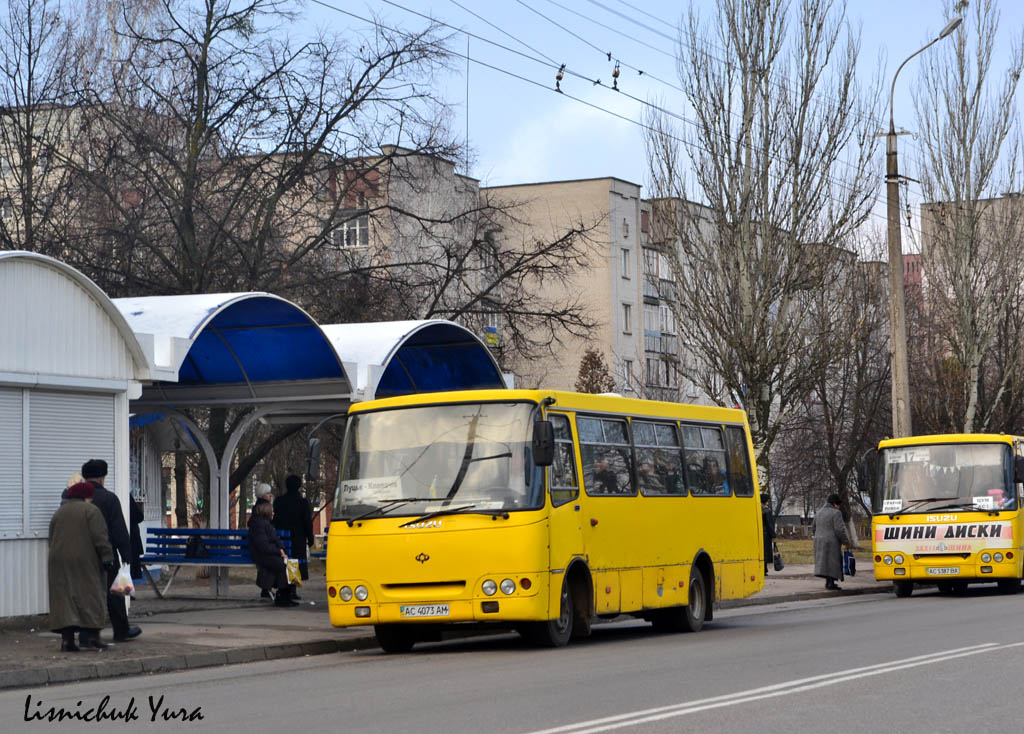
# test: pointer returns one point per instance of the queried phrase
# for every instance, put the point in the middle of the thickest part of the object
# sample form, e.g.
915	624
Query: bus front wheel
394	638
903	588
555	632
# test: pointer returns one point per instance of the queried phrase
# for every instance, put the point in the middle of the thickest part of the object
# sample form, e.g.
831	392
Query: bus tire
395	638
556	632
694	613
903	589
1009	586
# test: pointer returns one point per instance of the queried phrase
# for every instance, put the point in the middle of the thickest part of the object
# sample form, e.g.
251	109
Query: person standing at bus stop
829	538
292	512
94	472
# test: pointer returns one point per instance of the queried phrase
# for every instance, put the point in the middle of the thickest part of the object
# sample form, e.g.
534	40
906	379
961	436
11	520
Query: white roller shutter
67	429
11	448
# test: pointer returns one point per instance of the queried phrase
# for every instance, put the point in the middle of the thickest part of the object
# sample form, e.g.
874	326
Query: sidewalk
190	630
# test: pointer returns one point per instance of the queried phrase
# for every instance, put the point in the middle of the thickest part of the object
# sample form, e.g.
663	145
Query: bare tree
971	153
759	192
37	80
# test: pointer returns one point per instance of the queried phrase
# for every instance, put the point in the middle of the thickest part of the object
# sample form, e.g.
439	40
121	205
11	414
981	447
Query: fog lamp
362	611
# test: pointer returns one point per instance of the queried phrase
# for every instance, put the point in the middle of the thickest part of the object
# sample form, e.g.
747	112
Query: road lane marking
799	685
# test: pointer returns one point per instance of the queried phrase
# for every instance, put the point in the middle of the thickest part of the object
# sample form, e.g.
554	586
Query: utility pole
900	370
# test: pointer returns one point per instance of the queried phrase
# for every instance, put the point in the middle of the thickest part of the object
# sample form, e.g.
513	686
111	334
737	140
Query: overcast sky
524	132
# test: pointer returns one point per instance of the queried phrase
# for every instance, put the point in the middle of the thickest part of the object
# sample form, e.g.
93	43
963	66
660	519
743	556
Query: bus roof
564	399
948	438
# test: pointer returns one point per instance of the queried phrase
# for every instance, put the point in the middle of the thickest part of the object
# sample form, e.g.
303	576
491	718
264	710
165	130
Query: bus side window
562	473
739	463
606	456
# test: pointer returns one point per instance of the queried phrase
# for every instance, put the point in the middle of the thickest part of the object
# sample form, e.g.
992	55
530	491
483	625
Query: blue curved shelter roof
416	356
228	338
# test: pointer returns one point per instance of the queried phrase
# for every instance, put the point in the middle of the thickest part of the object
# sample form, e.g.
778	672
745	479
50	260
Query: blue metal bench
226	548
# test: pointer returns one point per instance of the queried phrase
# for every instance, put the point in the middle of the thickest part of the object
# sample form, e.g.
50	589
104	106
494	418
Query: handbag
291	565
777	557
849	563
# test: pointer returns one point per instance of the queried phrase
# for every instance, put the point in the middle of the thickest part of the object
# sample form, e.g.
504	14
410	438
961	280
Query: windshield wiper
455	511
915	503
388	506
966	504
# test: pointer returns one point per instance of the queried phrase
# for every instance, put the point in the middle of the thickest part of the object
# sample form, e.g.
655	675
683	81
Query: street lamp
897	311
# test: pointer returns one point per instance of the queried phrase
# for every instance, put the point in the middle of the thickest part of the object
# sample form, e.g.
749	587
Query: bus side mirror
1018	469
862	477
313	459
543	443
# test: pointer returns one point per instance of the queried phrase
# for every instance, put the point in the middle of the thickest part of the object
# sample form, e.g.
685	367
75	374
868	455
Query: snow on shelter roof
401	357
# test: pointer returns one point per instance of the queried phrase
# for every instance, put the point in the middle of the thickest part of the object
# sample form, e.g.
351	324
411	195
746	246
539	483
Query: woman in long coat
829	539
79	550
267	552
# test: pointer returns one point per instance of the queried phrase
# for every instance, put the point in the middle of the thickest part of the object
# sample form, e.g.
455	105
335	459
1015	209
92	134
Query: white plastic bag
123	585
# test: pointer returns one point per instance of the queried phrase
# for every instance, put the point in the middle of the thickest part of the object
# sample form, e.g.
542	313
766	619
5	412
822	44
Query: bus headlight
345	593
887	560
361	593
508	586
490	588
898	559
998	557
986	557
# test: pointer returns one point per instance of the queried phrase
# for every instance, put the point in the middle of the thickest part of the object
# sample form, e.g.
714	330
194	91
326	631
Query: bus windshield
440	458
945	476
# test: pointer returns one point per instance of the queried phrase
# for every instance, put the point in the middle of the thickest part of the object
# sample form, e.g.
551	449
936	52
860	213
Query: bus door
565	537
613	530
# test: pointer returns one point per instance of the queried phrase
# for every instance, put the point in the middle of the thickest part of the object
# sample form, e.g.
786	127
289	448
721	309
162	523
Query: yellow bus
538	511
946	511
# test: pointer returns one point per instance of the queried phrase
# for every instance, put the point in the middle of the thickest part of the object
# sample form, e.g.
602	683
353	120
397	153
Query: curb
801	596
33	677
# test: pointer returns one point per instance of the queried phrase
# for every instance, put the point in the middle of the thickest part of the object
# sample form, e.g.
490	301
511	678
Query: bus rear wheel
394	638
555	632
903	588
695	611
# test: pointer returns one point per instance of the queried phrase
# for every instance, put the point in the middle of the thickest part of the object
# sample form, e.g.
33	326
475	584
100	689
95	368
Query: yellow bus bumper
972	572
510	609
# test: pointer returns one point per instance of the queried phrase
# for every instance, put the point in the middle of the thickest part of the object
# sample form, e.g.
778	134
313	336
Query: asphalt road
855	664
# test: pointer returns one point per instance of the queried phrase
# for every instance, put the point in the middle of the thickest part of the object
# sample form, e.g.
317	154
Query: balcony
661	343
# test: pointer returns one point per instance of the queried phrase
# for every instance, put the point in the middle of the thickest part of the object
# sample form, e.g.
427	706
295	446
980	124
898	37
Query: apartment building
609	289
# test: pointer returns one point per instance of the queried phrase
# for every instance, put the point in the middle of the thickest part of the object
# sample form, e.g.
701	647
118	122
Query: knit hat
264	489
94	469
81	491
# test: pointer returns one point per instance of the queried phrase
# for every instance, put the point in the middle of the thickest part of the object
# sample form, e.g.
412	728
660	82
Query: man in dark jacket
767	530
292	512
94	471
